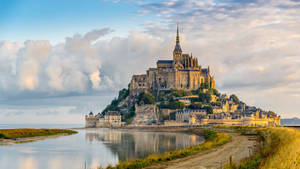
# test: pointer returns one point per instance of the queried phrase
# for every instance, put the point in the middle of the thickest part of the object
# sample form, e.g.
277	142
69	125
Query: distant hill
290	121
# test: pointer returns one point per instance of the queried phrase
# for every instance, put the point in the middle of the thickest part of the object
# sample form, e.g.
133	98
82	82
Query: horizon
61	59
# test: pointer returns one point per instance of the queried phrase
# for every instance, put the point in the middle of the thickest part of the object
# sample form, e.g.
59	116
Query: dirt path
238	148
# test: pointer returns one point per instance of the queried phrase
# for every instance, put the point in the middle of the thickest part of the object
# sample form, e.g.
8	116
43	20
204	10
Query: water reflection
27	163
92	147
134	144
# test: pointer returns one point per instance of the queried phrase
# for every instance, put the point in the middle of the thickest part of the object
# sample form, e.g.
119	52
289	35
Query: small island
29	134
178	92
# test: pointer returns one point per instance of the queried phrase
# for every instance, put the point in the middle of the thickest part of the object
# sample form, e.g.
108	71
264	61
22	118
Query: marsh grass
28	132
213	139
280	150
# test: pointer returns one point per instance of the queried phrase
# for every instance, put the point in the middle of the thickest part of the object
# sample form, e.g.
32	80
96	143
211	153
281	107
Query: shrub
235	99
145	98
173	104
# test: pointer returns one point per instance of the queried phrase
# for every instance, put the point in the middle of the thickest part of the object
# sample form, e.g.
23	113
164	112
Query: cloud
252	48
39	67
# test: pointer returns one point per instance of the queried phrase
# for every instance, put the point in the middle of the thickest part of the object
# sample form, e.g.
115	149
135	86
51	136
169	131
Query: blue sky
60	59
55	19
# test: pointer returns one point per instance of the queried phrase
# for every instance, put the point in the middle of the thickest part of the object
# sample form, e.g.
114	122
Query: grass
280	150
213	139
28	132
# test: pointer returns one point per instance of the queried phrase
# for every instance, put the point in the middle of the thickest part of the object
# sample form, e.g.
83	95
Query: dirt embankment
238	148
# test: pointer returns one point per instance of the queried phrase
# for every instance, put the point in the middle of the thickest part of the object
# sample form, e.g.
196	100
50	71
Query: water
91	147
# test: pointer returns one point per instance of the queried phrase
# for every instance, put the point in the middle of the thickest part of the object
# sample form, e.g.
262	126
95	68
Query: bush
208	109
235	99
129	116
173	104
196	105
180	93
145	98
113	106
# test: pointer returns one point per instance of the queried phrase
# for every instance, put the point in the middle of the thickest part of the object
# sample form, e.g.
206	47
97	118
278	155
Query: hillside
169	102
290	121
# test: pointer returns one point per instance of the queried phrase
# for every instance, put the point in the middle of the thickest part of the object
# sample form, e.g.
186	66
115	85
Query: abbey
182	72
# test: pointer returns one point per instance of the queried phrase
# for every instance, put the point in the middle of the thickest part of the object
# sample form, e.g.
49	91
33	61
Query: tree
208	109
180	93
146	98
204	97
235	99
215	92
205	86
196	105
123	94
129	116
173	104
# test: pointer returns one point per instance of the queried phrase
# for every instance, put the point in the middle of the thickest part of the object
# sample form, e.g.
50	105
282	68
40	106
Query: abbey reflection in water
134	144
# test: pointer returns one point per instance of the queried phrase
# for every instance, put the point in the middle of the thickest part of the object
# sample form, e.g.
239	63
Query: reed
280	149
28	132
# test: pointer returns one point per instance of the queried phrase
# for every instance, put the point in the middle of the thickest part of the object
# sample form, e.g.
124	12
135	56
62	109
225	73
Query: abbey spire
177	53
177	46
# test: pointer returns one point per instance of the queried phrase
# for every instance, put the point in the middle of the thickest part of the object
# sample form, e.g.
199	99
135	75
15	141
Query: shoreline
213	139
29	139
24	135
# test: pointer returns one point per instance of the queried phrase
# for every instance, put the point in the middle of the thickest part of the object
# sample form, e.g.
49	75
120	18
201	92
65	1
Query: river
91	148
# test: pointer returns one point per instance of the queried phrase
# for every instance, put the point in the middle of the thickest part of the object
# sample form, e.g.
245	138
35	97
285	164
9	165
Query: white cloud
251	46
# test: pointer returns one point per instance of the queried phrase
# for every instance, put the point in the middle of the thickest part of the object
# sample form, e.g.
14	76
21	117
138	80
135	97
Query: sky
60	59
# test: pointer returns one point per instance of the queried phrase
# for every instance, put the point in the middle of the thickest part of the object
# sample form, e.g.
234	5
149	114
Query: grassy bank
27	132
213	139
280	149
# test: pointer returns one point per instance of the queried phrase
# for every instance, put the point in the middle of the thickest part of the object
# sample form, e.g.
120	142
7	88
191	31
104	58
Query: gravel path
238	148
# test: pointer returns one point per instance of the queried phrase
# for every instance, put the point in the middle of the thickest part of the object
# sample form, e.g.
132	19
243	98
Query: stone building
190	116
182	72
110	119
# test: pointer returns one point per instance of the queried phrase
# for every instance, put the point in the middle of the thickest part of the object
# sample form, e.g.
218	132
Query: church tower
177	53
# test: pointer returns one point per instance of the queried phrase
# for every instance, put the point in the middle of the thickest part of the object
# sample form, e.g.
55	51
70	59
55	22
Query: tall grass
280	150
28	132
213	139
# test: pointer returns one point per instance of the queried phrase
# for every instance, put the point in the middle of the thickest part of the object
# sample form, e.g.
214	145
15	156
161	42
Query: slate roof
165	61
112	113
177	48
204	70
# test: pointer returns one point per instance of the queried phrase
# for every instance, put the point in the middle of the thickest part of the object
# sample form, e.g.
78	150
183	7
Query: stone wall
90	121
145	114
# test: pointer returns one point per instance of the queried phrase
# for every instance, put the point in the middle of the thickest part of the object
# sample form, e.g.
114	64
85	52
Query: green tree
180	93
146	98
129	116
123	94
204	97
235	99
173	104
208	109
196	105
